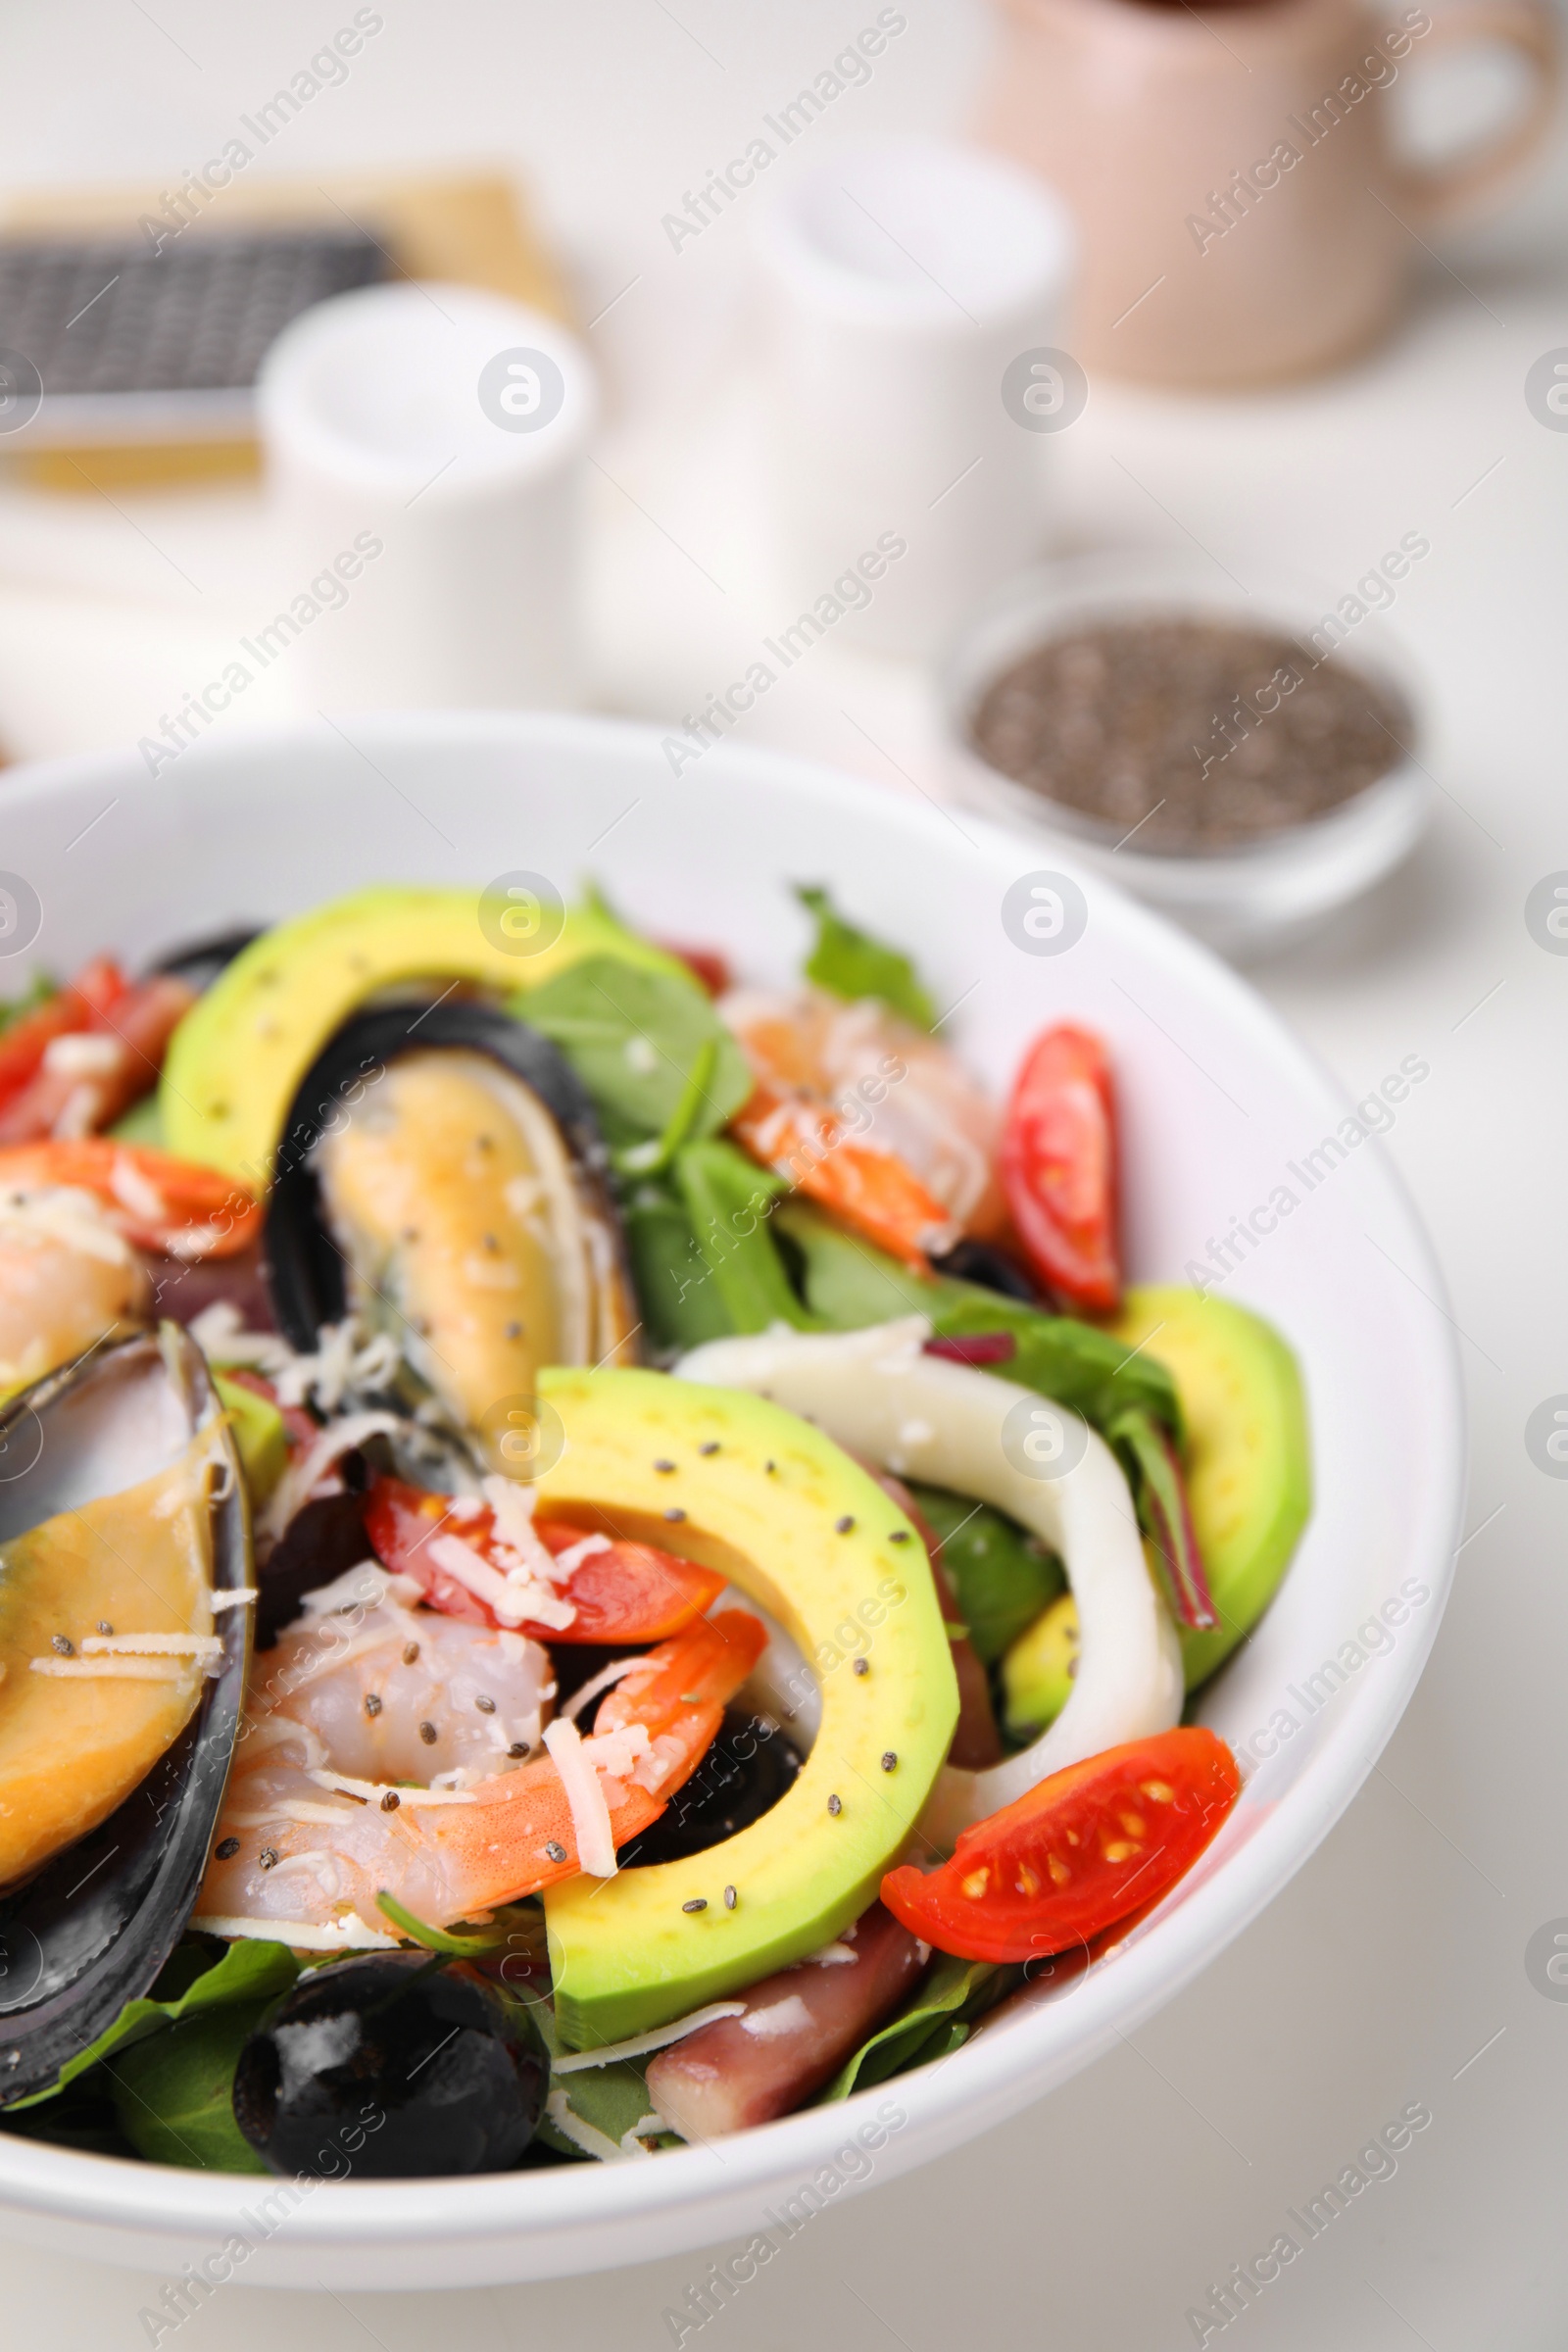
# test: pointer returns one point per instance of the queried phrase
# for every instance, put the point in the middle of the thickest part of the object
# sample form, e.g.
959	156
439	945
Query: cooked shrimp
870	1116
306	1843
67	1277
156	1200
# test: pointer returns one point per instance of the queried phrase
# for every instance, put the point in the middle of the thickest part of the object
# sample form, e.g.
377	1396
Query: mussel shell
306	1273
200	961
90	1931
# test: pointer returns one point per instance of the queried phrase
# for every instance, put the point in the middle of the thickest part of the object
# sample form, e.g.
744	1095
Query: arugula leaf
635	1038
954	1993
850	964
174	2092
1004	1578
252	1970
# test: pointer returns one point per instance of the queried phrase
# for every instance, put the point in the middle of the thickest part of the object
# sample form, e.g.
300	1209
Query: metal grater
135	346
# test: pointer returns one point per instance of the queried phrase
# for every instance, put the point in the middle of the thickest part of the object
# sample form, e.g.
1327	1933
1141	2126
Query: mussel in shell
443	1177
122	1525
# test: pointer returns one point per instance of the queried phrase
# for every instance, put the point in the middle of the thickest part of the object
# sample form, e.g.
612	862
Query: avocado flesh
235	1061
625	1956
1246	1456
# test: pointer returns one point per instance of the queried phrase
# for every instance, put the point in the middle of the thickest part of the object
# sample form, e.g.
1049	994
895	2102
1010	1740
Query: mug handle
1443	193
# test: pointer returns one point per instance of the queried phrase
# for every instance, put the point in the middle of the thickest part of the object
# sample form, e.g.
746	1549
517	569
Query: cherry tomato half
1059	1166
1075	1854
624	1593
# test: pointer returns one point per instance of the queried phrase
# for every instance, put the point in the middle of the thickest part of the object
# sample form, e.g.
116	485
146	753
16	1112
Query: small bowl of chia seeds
1244	757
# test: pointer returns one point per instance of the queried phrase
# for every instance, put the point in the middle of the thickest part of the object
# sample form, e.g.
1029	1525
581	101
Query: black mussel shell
199	962
91	1930
744	1774
388	2068
991	1269
305	1271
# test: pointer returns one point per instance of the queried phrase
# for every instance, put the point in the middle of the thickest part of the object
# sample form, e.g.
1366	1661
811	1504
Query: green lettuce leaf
850	964
954	1993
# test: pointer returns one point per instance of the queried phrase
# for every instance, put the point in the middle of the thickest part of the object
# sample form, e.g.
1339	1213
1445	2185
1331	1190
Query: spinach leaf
1003	1577
954	1993
252	1970
729	1199
850	964
680	1301
633	1036
173	2092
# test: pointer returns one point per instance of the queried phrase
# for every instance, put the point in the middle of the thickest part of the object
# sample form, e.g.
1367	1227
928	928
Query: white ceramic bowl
1218	1102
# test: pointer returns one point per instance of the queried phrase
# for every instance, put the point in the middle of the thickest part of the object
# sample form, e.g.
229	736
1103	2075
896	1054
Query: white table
1393	1969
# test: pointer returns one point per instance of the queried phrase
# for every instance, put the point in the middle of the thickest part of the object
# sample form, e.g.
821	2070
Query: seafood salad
591	1552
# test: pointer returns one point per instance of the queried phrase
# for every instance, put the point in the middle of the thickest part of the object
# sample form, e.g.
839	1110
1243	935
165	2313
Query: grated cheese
640	2045
788	2016
152	1645
585	1796
347	1934
127	1670
614	1672
569	1562
374	1790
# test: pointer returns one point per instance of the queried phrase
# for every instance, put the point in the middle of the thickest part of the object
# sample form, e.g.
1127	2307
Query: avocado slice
1246	1456
235	1061
260	1437
1038	1669
777	1507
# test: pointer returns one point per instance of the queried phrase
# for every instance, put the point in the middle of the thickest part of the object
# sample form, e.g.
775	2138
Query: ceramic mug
1244	212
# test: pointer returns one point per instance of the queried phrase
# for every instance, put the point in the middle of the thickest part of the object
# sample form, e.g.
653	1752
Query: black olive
990	1269
323	1540
742	1777
388	2066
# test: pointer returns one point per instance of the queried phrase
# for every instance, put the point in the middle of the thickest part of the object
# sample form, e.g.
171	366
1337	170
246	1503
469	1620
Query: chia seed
1201	733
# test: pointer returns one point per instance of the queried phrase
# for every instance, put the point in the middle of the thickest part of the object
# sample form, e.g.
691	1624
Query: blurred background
1256	385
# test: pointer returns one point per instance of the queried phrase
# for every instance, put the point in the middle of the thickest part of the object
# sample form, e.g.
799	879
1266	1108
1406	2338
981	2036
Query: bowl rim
584	2218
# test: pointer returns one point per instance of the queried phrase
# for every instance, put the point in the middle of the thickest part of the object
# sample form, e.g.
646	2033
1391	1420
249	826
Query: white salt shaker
912	295
425	448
